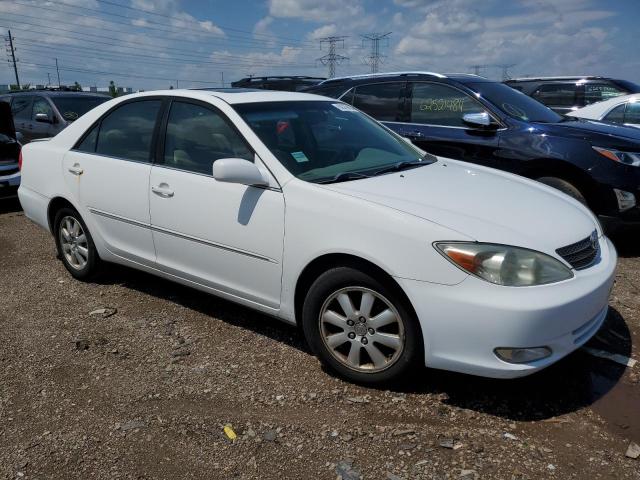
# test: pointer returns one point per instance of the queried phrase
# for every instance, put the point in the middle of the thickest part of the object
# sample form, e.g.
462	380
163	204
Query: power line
12	53
332	58
375	57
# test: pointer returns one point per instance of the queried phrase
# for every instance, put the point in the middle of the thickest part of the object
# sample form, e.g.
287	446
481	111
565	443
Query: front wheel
75	245
565	187
360	327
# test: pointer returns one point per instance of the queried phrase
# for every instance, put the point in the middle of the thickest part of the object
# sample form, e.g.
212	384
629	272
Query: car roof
568	77
58	93
601	107
459	77
236	95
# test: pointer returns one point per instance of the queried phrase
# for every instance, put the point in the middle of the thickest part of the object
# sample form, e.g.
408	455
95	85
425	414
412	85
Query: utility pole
49	79
222	78
11	51
58	73
332	58
375	58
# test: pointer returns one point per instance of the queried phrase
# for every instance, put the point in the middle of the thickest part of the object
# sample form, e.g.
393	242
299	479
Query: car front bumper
463	324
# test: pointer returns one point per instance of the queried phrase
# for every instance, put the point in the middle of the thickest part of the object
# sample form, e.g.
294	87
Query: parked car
387	256
565	94
9	154
470	118
282	83
624	110
44	113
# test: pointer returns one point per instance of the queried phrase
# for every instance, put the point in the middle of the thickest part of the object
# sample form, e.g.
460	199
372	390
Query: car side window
556	94
632	114
380	100
40	105
598	92
21	107
197	136
616	115
441	105
127	131
88	143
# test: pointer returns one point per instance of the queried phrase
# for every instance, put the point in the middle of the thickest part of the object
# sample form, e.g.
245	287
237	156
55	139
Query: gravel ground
136	377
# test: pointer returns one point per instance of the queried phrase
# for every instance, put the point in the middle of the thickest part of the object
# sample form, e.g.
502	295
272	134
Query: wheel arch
546	167
55	205
325	262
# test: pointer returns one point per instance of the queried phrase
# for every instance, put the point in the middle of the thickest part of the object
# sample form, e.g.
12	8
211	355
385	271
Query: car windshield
515	103
72	108
328	141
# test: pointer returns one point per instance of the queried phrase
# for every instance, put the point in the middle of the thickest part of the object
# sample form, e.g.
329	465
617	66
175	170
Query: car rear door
108	174
21	109
435	124
225	236
562	97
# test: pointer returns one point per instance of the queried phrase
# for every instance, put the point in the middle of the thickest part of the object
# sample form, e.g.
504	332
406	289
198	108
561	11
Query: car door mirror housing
43	117
479	120
238	170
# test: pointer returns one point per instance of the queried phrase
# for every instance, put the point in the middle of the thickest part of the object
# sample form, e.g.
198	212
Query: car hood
481	203
594	131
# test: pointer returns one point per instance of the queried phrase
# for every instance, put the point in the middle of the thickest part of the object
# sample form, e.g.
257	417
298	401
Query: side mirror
237	170
43	117
478	120
20	137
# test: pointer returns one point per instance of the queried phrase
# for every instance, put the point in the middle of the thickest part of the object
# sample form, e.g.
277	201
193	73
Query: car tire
565	187
375	340
75	244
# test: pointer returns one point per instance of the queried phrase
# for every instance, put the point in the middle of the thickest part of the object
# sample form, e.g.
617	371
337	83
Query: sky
150	44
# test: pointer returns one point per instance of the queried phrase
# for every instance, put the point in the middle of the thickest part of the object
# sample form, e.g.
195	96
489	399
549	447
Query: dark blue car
470	118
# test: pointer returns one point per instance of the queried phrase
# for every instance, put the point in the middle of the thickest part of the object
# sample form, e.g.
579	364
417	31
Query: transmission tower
11	52
375	58
332	58
477	69
505	70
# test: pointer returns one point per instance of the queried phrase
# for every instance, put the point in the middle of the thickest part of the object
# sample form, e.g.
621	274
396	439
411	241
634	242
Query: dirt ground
145	391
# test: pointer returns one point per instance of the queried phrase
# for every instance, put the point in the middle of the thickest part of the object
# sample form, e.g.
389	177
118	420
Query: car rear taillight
20	161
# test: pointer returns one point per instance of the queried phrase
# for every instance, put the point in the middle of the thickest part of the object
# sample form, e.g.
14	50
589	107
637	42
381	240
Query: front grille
582	254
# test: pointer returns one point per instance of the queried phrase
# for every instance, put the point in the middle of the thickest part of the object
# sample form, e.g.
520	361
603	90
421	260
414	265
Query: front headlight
626	158
505	265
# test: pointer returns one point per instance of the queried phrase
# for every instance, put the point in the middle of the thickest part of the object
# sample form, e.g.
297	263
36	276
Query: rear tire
565	187
360	327
75	244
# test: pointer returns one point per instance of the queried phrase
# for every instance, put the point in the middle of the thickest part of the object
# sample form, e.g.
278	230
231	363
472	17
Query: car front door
42	127
436	124
562	97
108	174
224	236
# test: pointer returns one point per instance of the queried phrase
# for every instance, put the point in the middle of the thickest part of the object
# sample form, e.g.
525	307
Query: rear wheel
564	187
361	328
75	245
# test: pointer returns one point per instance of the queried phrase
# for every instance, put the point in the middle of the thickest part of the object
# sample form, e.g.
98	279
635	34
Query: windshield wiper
398	167
342	177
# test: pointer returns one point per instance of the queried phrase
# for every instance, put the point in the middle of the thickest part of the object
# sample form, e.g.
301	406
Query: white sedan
624	110
310	211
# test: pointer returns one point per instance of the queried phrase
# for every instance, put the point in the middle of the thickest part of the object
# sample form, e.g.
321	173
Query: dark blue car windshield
515	103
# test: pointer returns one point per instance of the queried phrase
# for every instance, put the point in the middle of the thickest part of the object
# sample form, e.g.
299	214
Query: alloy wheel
73	242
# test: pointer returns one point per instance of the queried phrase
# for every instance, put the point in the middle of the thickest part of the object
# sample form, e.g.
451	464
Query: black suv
564	94
45	113
470	118
283	83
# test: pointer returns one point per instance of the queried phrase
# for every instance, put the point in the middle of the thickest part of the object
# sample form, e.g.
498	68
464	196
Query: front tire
360	327
565	187
75	244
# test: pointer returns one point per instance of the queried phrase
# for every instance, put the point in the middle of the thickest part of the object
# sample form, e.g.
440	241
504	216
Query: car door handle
76	170
413	135
162	190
